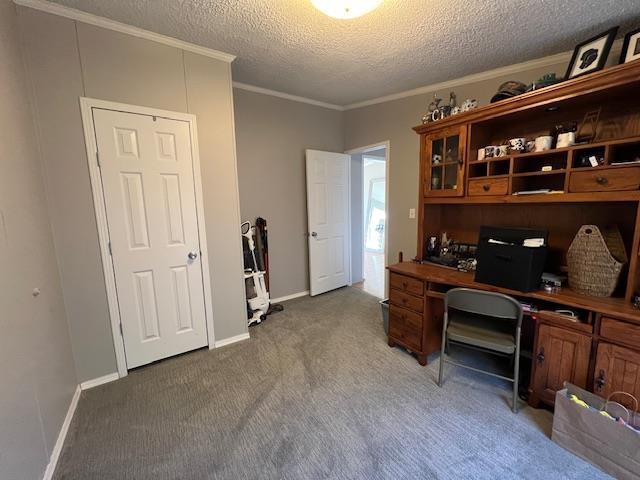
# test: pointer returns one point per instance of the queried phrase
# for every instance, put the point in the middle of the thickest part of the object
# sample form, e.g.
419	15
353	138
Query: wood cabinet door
617	369
443	160
560	355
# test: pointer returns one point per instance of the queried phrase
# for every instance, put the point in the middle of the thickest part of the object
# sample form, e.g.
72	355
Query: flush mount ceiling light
345	9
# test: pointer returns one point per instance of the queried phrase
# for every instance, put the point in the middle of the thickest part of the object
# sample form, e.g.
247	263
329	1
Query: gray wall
67	60
393	121
357	218
37	377
272	135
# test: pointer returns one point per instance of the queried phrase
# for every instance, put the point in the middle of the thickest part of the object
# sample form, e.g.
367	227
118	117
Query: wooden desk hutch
601	352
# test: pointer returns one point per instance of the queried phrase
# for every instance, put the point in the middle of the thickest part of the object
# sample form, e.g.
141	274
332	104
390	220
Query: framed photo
591	55
631	47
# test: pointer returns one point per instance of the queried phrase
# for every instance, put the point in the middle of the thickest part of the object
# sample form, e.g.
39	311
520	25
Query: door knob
192	255
314	234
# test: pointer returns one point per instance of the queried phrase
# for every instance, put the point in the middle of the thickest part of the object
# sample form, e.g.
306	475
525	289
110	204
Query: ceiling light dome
345	9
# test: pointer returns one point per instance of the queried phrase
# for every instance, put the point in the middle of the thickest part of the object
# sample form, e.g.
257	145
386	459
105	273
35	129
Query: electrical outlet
412	213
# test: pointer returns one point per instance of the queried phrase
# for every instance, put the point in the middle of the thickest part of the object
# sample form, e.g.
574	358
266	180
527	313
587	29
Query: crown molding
80	16
287	96
476	77
473	78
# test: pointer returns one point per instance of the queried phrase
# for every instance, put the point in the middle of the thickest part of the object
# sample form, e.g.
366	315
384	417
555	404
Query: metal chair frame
507	303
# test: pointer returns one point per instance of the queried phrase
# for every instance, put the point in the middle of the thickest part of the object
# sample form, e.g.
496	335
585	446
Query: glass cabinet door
444	163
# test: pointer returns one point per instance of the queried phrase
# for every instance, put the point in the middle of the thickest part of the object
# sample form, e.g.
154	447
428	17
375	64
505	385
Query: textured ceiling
289	46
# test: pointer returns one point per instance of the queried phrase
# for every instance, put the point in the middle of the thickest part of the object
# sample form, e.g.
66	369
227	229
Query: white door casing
147	172
328	177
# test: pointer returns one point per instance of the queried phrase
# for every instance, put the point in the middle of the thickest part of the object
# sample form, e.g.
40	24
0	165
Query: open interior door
328	217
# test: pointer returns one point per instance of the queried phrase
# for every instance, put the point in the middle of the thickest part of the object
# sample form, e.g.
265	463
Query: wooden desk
601	353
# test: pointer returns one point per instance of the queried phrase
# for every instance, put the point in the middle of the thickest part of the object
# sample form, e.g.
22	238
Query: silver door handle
192	255
314	234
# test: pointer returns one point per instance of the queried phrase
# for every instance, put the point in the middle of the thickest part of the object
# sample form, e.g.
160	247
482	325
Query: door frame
86	107
387	152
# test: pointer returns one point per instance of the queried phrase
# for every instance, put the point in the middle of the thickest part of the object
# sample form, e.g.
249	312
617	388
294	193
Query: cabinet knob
540	357
486	187
600	381
602	180
404	284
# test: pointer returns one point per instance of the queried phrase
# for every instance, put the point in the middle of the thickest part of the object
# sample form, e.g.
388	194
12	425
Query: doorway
369	193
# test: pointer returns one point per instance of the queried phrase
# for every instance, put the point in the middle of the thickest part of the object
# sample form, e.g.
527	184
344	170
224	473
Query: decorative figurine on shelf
445	244
436	159
432	247
432	109
544	81
437	112
452	100
469	104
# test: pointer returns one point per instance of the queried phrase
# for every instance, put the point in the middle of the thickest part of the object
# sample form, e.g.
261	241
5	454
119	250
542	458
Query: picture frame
631	47
591	55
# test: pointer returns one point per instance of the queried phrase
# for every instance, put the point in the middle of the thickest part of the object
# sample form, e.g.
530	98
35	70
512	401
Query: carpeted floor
316	393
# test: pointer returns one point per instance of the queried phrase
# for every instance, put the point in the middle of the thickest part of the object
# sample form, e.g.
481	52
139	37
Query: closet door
147	174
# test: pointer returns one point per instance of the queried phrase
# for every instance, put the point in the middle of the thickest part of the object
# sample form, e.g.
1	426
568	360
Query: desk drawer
407	318
486	186
405	326
616	330
606	180
406	284
402	299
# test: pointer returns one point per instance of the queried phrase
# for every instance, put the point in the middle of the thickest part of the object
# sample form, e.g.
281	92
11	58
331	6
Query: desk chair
485	321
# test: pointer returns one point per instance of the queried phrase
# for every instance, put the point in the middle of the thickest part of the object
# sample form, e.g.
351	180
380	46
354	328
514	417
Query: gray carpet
316	393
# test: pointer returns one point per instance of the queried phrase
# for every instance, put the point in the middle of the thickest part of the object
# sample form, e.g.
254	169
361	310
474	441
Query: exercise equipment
256	272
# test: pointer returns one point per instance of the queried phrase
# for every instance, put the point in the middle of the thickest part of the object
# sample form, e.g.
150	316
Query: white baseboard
57	448
290	297
230	340
99	381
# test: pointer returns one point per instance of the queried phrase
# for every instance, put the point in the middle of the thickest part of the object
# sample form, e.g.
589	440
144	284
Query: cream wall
272	135
37	377
393	121
67	60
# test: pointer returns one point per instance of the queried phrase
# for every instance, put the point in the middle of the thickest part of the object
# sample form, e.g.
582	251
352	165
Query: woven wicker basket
595	259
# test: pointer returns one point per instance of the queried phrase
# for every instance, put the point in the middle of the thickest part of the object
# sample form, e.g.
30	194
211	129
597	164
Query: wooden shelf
626	75
554	151
561	171
632	196
605	167
455	162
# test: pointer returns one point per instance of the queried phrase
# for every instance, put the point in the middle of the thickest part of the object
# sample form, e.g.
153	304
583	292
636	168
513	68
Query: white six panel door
328	217
147	175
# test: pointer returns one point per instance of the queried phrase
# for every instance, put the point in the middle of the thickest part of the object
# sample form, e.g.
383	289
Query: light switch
412	213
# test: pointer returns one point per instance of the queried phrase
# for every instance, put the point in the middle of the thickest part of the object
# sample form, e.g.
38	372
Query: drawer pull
540	357
486	187
602	180
405	284
600	381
